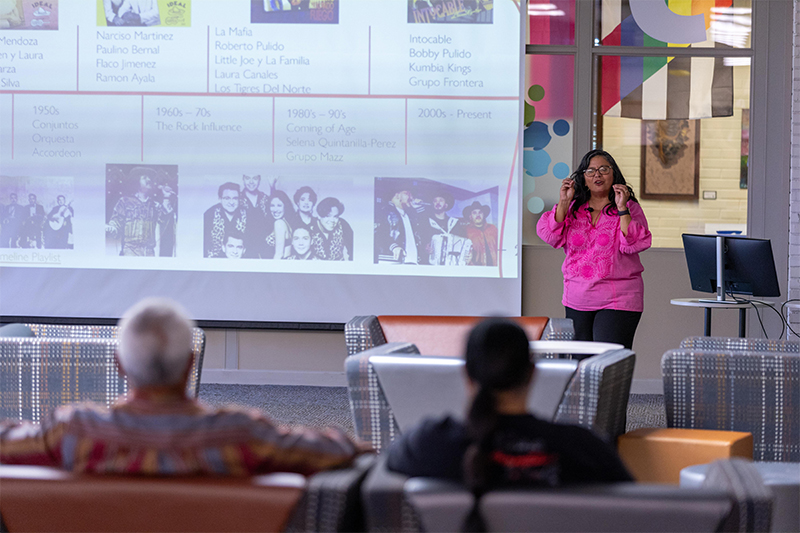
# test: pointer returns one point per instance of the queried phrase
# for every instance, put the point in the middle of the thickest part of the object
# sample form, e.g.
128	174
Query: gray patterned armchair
739	344
737	384
733	498
595	395
67	364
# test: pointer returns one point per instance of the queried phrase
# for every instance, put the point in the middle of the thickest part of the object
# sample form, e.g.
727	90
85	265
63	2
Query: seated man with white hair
157	429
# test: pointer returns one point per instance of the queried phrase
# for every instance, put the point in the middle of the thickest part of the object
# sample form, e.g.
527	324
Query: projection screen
264	160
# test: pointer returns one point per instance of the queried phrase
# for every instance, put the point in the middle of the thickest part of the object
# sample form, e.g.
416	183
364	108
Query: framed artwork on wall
670	159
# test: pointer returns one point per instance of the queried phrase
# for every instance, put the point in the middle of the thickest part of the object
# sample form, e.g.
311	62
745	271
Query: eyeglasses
604	170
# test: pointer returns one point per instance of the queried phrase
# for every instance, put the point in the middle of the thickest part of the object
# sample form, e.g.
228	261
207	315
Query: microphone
590	209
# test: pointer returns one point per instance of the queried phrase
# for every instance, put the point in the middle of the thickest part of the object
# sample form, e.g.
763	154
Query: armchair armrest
362	333
386	508
597	396
559	329
752	499
372	417
332	500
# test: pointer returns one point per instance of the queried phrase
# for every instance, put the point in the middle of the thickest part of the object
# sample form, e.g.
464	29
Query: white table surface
727	304
708	304
573	347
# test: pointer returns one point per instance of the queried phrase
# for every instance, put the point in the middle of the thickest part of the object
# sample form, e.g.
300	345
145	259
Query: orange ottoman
657	455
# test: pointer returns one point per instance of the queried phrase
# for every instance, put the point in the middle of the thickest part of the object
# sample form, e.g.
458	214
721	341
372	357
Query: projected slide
311	144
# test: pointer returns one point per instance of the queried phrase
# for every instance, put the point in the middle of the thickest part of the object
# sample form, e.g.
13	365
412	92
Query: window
548	139
677	123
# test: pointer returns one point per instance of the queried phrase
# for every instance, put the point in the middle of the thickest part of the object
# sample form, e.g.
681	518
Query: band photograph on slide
426	222
141	210
36	212
276	218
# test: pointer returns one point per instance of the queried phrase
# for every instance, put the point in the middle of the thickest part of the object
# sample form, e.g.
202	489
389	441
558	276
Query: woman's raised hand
567	191
565	195
621	195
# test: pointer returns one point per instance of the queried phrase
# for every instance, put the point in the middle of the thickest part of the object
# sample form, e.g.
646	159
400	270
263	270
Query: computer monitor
748	267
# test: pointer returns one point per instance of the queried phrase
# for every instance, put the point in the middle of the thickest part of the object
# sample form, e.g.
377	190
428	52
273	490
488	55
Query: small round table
708	305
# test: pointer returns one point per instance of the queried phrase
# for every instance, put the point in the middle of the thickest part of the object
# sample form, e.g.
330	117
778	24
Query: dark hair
305	189
448	198
304	228
288	209
582	193
230	186
497	359
326	204
283	197
234	234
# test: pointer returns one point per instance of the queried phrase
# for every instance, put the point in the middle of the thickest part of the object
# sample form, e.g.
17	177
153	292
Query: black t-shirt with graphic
525	451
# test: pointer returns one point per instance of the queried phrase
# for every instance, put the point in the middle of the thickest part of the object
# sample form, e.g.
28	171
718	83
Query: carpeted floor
328	406
317	407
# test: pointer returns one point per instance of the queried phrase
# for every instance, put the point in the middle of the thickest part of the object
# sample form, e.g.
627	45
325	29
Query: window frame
771	58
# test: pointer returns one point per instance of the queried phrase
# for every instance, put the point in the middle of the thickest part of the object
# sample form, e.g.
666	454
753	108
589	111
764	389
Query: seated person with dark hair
500	443
157	429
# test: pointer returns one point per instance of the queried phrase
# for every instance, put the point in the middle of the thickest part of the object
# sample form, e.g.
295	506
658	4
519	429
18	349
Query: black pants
605	325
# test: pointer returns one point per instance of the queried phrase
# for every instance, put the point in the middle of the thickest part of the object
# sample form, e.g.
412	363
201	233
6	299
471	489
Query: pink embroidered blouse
602	269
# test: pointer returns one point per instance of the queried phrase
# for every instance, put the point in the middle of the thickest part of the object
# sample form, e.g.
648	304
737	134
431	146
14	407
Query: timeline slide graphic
299	137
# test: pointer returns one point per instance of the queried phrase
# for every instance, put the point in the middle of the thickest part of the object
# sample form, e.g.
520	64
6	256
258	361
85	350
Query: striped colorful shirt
170	437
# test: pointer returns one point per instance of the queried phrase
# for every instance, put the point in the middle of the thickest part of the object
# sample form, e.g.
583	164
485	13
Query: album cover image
294	11
450	11
144	13
28	14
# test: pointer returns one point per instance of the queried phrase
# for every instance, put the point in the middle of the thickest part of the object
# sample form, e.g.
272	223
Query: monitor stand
720	273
